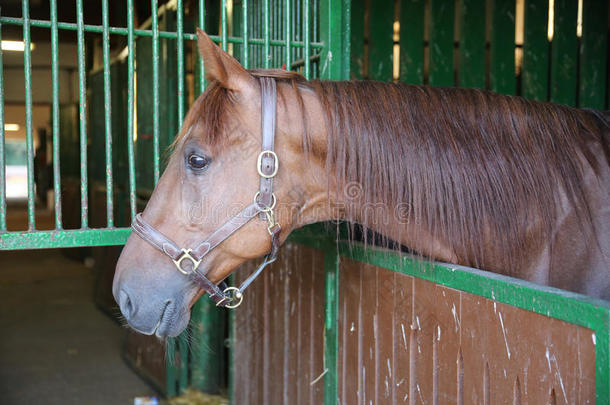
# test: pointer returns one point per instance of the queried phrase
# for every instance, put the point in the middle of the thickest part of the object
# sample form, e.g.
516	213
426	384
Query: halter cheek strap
187	261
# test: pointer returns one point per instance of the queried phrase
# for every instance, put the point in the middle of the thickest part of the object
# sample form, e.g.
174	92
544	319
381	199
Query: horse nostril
125	304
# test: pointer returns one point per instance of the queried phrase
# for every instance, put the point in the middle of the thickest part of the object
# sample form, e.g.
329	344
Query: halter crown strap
187	261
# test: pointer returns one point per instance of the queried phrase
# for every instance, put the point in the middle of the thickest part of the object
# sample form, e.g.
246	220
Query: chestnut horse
462	176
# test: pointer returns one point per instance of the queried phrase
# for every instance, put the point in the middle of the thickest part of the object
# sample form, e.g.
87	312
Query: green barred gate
130	107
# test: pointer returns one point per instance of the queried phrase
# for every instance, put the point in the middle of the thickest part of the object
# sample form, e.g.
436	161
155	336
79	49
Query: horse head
210	198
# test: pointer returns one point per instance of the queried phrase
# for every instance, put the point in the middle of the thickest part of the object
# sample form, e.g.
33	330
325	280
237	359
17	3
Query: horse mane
471	165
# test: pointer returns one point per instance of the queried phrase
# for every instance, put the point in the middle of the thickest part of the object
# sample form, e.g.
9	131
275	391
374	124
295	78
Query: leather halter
187	261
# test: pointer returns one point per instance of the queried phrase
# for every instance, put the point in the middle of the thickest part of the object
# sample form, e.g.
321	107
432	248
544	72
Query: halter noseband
263	204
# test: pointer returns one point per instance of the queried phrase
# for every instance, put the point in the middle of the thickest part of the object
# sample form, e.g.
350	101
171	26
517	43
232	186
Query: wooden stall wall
407	340
278	332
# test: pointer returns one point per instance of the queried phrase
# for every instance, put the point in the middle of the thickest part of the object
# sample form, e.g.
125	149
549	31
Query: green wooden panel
534	73
412	41
593	55
331	326
357	40
442	20
334	26
380	44
69	151
502	47
471	72
208	365
564	50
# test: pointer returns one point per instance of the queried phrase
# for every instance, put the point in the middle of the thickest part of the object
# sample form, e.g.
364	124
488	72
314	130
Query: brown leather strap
145	231
267	161
226	230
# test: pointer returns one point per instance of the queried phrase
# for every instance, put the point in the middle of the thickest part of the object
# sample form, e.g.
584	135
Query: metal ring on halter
259	163
237	295
263	207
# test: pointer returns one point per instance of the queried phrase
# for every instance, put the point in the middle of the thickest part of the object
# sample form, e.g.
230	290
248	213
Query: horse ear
221	66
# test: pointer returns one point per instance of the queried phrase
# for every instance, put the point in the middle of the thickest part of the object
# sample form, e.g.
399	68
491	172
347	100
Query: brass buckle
232	294
186	254
259	163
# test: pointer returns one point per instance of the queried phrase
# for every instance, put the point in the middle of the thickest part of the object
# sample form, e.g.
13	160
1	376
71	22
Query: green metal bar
155	78
331	325
82	111
55	113
381	43
223	25
335	33
471	72
202	26
266	34
441	42
412	19
307	40
29	136
107	117
245	58
288	29
131	110
180	55
63	238
98	29
593	56
2	148
502	77
534	72
564	52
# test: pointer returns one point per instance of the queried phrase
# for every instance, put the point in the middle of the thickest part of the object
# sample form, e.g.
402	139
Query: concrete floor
56	347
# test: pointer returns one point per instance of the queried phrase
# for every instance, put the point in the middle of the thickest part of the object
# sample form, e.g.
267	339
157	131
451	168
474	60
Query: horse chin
172	326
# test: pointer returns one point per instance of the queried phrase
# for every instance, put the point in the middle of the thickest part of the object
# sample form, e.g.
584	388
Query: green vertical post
335	34
107	116
155	84
131	110
357	39
442	17
170	367
593	56
306	40
245	49
202	26
180	58
502	76
471	70
29	136
183	372
2	151
534	72
412	13
331	324
266	34
564	52
381	42
288	29
223	25
207	351
82	112
55	114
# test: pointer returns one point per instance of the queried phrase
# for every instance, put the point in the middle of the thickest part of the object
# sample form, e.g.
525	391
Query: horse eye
197	162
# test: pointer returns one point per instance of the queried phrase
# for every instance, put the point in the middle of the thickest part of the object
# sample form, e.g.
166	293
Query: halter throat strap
187	261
